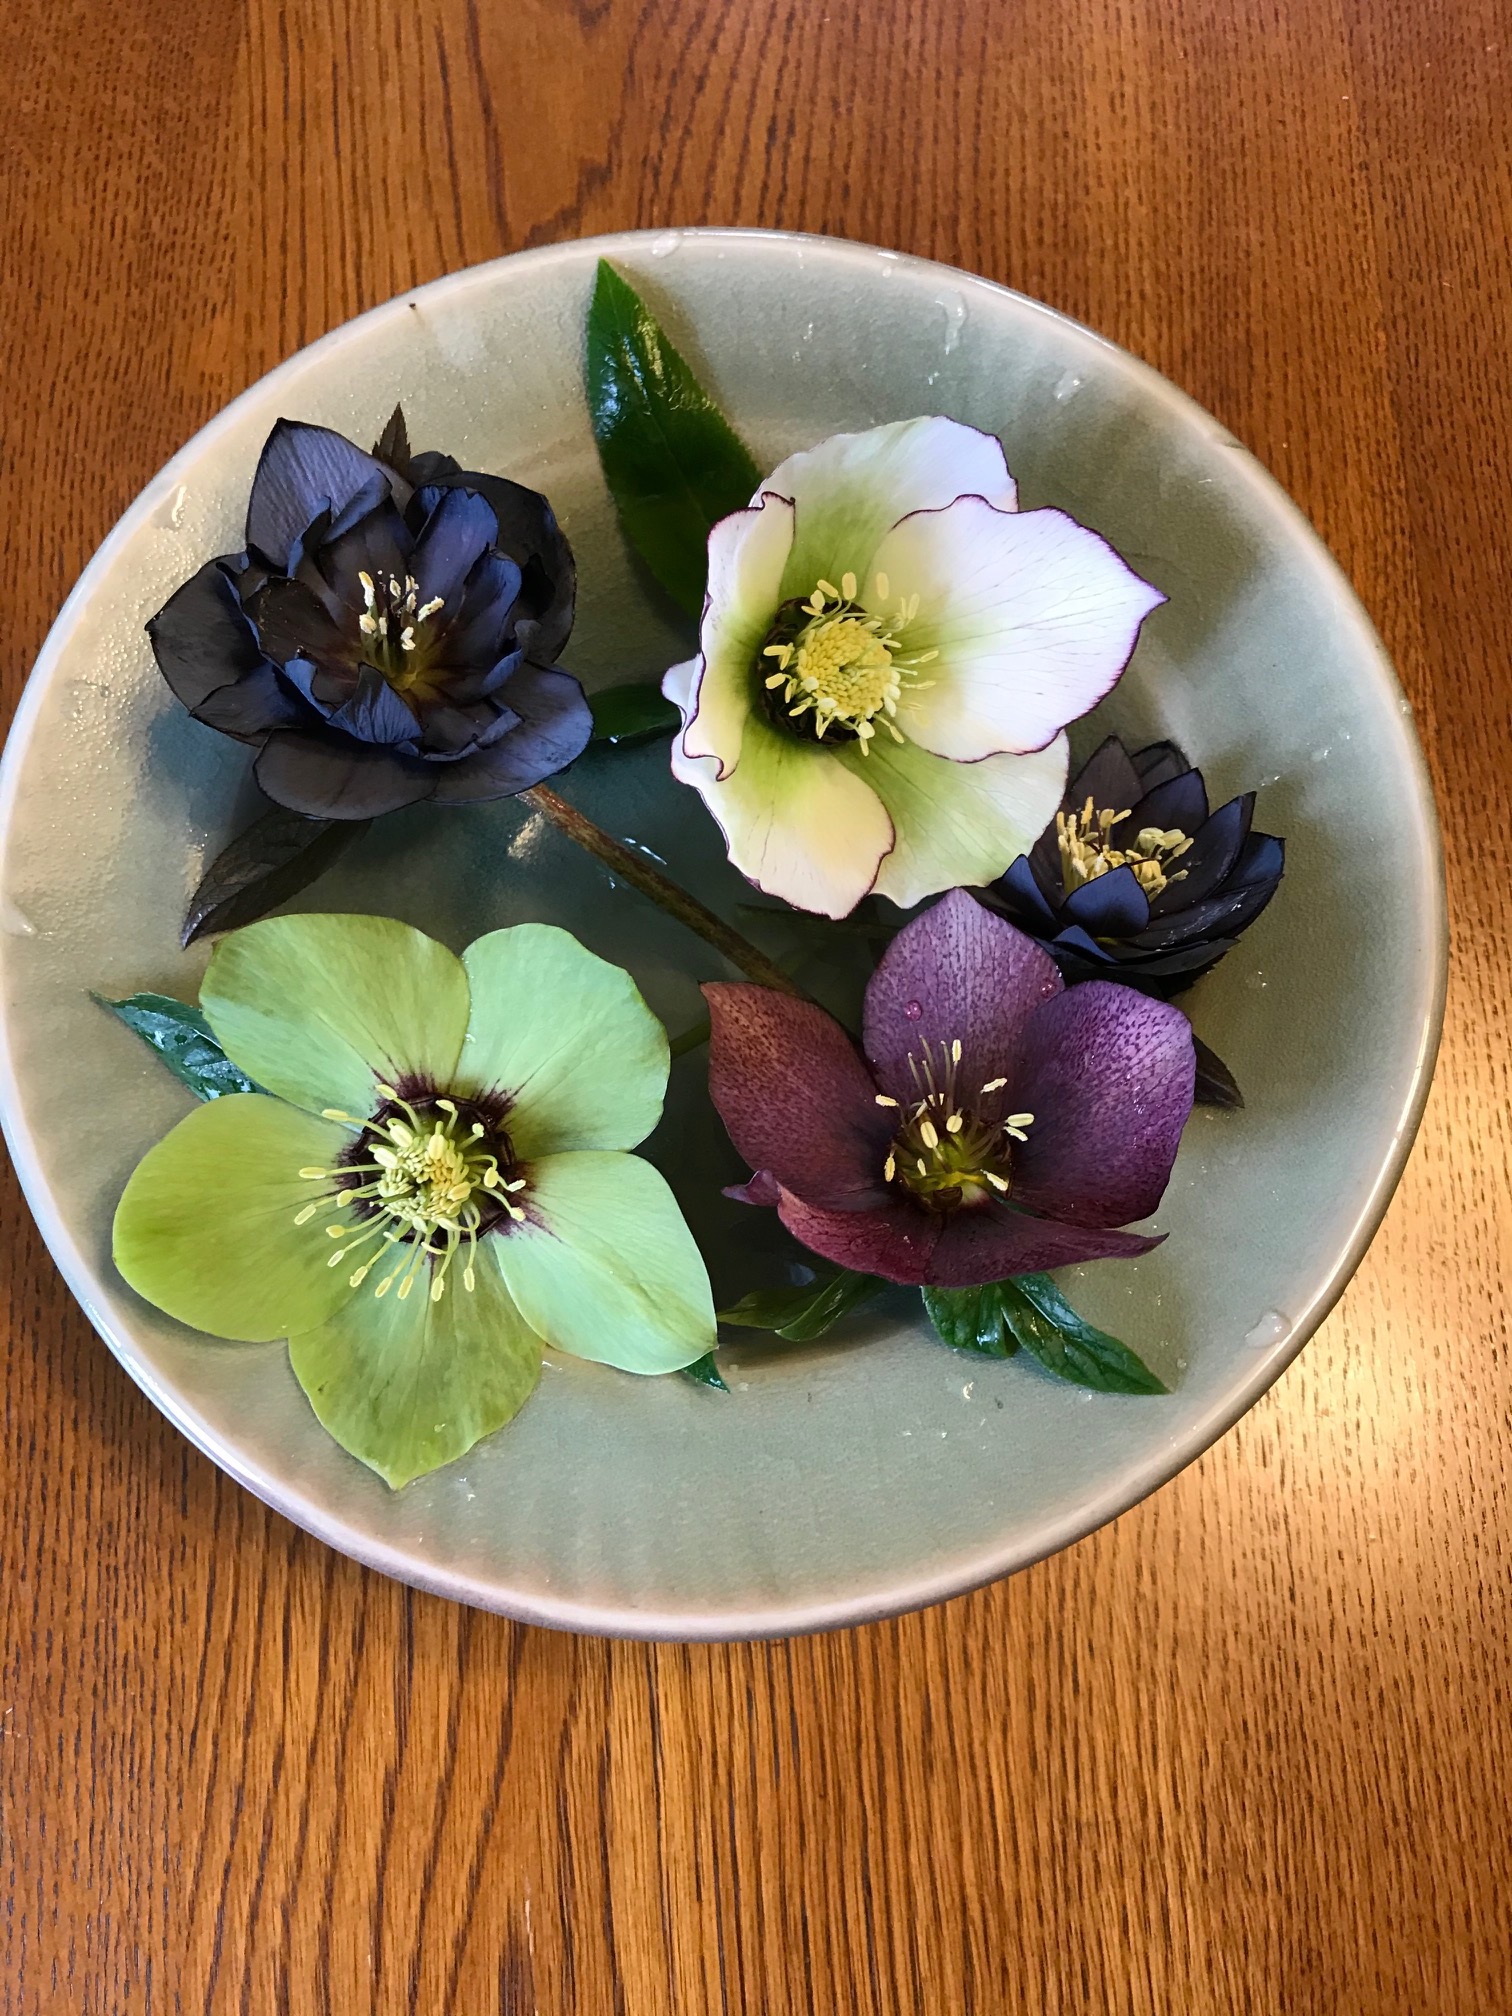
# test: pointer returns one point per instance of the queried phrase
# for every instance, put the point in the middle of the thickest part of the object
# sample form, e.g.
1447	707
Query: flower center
947	1152
395	620
429	1178
1087	851
836	668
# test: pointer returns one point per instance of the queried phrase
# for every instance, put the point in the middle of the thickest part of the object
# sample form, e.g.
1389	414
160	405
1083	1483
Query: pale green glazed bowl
874	1471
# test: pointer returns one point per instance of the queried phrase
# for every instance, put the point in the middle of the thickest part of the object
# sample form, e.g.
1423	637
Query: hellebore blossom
1135	879
888	654
437	1188
999	1123
388	633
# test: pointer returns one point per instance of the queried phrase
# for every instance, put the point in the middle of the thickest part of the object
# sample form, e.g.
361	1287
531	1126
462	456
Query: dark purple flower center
951	1149
399	631
431	1173
1087	850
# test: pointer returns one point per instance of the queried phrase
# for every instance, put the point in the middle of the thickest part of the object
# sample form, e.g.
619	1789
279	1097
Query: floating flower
1135	879
438	1186
889	653
387	635
999	1124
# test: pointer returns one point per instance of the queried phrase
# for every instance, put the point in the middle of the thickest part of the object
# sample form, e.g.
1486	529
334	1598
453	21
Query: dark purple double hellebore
999	1123
388	634
1136	880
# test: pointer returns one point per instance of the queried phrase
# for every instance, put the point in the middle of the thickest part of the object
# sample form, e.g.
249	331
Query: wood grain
1246	1750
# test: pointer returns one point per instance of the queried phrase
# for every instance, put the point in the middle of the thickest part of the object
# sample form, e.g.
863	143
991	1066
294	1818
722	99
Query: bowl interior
874	1470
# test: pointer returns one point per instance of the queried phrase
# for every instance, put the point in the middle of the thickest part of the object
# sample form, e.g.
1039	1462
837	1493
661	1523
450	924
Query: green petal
567	1037
408	1385
318	1009
850	490
957	823
205	1228
606	1268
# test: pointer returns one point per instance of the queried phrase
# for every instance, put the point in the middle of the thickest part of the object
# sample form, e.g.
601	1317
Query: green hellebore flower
438	1187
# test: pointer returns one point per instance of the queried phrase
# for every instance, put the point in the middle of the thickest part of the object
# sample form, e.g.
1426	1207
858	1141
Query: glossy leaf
1064	1343
632	712
971	1319
704	1372
799	1315
673	464
184	1040
282	853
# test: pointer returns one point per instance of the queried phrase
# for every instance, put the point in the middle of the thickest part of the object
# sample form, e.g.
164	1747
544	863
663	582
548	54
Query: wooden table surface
1245	1750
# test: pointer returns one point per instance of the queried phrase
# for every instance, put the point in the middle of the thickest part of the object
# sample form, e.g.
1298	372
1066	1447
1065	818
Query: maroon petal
895	1241
989	1245
958	973
762	1189
795	1096
1108	1075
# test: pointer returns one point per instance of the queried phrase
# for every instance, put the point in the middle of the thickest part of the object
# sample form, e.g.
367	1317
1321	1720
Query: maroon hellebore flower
999	1124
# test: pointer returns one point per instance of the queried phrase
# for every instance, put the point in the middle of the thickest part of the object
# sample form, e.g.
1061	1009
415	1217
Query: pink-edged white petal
796	821
747	554
957	824
1034	618
851	488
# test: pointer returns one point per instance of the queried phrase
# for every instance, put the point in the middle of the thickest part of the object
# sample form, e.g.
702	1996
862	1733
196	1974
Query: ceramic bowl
876	1470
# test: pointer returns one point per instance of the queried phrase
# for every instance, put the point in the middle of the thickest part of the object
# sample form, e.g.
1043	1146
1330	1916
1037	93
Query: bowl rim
772	1619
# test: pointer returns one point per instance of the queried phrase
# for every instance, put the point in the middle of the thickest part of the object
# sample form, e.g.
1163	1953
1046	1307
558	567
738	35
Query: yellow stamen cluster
392	610
946	1152
847	668
1085	840
422	1189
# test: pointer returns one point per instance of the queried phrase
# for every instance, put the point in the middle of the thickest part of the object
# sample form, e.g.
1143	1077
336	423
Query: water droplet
889	263
913	1010
13	920
968	1389
955	317
170	513
808	330
1256	982
665	242
1271	1328
1404	705
1067	386
1320	755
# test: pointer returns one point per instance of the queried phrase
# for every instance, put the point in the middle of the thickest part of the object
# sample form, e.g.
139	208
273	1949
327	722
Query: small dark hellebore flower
388	634
999	1123
1135	880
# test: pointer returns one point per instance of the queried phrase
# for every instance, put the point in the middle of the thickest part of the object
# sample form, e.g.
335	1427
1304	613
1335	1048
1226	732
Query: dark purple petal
478	625
896	1241
201	637
376	713
957	973
1213	852
466	687
1157	763
372	496
555	725
456	531
378	544
992	1243
1109	906
763	1189
1164	973
294	622
795	1097
1108	1075
1108	778
251	707
327	777
1180	801
529	531
1025	900
1237	904
302	472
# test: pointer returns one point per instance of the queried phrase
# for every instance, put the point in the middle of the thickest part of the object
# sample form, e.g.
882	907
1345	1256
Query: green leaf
673	464
704	1372
183	1039
276	857
801	1314
632	712
971	1319
1064	1343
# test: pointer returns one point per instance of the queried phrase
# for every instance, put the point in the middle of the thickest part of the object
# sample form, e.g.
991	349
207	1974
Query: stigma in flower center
947	1152
425	1185
1085	840
393	614
828	664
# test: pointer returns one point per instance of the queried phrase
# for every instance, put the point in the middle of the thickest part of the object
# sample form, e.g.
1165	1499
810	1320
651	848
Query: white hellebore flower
890	651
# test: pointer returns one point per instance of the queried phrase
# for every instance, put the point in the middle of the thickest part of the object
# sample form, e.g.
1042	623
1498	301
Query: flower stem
640	874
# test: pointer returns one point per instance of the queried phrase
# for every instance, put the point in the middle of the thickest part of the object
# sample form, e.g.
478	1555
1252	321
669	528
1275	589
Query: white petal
678	682
747	552
959	824
1033	615
851	488
796	821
